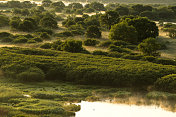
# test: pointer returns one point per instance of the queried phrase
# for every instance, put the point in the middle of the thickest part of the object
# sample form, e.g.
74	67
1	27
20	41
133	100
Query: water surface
104	109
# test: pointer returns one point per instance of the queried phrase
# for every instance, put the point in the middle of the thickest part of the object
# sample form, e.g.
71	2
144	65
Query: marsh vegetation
54	54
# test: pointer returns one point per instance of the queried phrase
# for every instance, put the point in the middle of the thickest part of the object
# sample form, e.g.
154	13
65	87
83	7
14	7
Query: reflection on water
104	109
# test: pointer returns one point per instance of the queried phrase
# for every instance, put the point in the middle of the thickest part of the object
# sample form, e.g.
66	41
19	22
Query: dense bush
84	68
46	46
149	47
20	39
132	57
72	46
123	31
93	32
64	34
167	83
149	58
165	61
31	75
99	52
91	42
120	43
118	49
106	43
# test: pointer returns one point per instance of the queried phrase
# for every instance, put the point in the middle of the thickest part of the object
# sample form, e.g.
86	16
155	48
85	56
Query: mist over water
104	109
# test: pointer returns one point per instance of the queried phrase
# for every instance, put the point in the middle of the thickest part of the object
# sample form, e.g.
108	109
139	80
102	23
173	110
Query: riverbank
55	99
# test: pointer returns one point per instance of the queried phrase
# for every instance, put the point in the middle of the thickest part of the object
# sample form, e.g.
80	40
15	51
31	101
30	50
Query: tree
27	26
149	47
91	21
97	6
144	27
109	18
46	3
48	22
122	10
75	6
93	32
123	31
149	14
59	4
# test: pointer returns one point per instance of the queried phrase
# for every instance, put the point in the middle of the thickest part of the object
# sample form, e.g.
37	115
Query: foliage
48	22
91	42
72	46
149	47
166	83
106	43
46	46
144	27
123	32
83	68
109	18
93	32
118	49
4	20
99	52
31	75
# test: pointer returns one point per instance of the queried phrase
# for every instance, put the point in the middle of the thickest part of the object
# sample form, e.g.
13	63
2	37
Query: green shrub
84	68
29	36
166	83
99	52
31	75
45	35
115	54
55	44
37	39
20	39
132	57
4	34
106	43
49	31
46	46
93	32
6	39
43	95
132	47
120	43
149	58
91	42
64	34
31	41
77	32
165	61
113	48
72	46
149	47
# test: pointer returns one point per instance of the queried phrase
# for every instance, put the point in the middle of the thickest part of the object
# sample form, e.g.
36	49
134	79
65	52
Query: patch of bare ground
170	52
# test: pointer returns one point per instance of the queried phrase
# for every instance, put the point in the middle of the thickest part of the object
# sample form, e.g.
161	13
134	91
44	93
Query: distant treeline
127	1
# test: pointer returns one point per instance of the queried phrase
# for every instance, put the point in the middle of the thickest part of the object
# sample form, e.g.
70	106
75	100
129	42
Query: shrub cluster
166	83
91	42
28	38
83	68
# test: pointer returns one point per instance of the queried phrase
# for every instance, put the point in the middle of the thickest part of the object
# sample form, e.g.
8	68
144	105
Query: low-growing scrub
91	42
166	83
84	69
